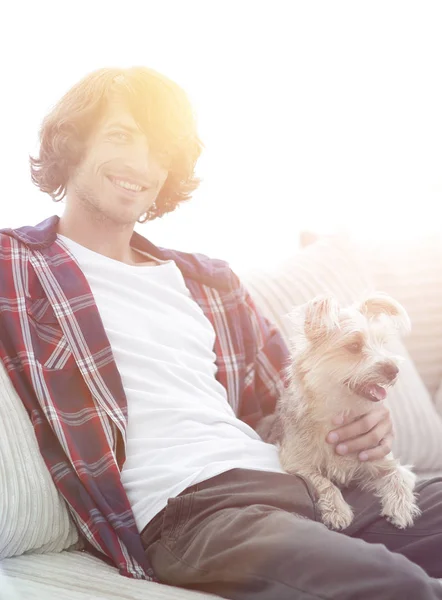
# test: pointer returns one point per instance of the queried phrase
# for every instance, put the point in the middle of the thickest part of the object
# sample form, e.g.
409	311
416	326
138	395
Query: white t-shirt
181	429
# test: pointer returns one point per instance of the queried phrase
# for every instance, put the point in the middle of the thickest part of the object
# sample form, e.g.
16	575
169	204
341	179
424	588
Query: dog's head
347	346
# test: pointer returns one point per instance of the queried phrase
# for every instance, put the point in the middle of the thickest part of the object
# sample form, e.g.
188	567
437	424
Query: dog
340	364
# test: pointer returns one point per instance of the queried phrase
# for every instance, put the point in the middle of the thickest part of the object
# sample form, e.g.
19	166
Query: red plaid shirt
56	352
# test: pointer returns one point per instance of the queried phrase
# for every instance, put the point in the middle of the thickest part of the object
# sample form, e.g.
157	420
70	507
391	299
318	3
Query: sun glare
320	116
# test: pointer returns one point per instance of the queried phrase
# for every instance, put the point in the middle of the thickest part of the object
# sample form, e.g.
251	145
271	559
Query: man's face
118	178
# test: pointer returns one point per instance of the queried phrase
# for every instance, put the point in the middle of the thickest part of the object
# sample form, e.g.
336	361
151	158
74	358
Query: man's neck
101	236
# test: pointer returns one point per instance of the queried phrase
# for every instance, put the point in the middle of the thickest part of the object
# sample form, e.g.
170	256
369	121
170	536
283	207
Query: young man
145	370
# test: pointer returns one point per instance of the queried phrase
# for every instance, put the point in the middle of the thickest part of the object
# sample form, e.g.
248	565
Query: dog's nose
390	370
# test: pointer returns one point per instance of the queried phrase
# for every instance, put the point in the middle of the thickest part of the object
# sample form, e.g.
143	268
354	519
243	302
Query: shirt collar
195	266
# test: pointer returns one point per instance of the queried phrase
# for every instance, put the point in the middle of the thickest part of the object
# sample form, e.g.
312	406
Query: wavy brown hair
158	105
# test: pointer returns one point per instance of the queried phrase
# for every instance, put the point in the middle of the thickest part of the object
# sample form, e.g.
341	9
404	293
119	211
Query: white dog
340	365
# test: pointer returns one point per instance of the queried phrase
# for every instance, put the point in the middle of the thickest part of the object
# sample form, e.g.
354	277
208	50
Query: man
145	371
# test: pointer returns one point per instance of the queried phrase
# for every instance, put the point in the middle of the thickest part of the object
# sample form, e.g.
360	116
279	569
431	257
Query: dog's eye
354	347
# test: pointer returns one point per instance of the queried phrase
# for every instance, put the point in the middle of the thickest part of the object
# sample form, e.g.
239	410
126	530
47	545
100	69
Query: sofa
40	553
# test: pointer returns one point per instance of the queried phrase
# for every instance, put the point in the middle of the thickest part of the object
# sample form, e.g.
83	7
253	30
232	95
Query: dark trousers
256	535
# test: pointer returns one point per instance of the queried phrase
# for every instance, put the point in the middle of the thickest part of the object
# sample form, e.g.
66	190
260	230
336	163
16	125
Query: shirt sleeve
267	357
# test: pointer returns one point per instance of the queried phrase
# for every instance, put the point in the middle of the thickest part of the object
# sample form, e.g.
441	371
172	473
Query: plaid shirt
56	352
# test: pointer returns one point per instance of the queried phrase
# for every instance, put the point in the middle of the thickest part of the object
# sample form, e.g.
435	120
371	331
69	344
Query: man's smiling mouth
126	184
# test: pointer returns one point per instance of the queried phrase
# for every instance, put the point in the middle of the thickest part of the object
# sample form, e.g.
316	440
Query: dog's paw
336	515
408	476
401	512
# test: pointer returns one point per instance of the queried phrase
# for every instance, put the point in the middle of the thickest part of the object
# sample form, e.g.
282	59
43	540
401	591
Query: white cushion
336	267
79	576
411	272
438	400
33	515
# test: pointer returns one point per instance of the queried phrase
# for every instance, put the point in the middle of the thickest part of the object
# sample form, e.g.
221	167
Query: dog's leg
395	489
335	512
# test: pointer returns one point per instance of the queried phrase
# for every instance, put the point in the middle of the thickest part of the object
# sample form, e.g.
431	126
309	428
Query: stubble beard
90	202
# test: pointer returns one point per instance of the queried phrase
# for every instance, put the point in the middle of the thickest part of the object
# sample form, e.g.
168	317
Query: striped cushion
412	272
33	516
79	576
336	267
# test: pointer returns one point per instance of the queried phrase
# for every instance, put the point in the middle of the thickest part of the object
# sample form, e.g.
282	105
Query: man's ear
321	317
378	304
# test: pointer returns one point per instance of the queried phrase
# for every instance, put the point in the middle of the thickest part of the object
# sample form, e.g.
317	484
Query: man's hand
370	435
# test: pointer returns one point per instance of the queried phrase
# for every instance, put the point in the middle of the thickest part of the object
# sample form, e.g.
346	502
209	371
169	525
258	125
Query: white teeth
128	186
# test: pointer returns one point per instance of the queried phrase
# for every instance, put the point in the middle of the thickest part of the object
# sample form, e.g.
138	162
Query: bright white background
321	115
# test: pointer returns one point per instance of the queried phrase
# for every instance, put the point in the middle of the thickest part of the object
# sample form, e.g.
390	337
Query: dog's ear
321	317
378	304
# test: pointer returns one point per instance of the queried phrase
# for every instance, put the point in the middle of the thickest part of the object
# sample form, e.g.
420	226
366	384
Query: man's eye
119	135
354	347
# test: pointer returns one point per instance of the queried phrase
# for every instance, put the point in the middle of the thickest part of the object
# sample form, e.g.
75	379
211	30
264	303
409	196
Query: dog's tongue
377	391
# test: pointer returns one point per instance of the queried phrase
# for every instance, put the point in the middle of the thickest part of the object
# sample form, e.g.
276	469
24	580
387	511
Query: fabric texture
257	535
438	401
58	357
338	267
411	271
78	576
33	515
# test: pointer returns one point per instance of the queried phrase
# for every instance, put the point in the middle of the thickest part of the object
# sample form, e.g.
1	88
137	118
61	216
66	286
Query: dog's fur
339	364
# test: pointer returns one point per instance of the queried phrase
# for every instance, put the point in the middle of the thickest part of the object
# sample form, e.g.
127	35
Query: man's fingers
360	426
365	441
381	450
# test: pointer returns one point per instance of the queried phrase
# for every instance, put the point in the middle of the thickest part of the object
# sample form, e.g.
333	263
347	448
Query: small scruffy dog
340	364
